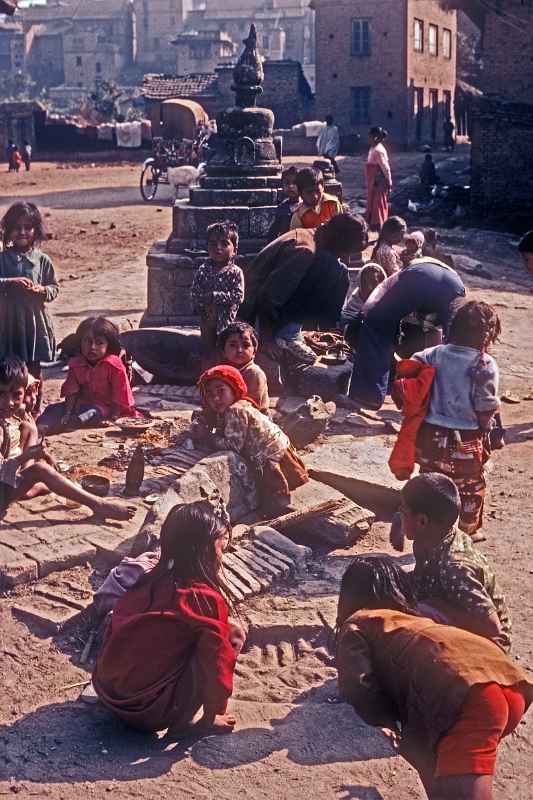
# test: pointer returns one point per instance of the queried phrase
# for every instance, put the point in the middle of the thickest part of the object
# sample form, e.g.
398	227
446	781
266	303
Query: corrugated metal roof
167	87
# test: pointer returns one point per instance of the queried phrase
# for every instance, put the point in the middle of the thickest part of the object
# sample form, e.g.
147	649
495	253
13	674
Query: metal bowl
96	484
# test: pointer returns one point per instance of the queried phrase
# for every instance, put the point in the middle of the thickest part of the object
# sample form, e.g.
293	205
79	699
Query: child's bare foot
111	509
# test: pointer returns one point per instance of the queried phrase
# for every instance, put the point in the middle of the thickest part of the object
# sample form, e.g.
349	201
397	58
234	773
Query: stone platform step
252	567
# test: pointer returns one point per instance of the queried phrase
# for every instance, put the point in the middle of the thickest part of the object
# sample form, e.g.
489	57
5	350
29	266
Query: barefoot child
217	290
450	573
454	437
455	694
27	284
97	386
26	469
170	649
230	421
238	345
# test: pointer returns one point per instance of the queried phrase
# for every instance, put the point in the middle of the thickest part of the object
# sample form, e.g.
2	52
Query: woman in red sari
378	179
170	649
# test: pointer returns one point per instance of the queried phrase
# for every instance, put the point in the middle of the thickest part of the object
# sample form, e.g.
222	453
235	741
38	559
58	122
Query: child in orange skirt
231	421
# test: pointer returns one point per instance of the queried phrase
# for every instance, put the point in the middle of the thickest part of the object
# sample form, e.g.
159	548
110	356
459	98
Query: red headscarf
231	376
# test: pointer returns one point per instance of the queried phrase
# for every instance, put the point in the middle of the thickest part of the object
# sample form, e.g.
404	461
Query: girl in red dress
170	649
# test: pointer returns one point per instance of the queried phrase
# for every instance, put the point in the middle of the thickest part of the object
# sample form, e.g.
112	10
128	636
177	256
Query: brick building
391	63
77	43
502	120
12	55
285	28
200	52
286	92
158	22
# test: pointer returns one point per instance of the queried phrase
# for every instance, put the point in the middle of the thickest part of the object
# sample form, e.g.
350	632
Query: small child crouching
217	290
97	386
238	345
230	421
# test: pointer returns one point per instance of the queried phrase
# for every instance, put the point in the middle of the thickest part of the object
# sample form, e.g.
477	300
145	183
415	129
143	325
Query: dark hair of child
434	495
239	329
15	213
374	581
224	230
428	157
309	178
474	324
525	245
343	233
13	372
104	328
390	227
329	119
378	133
289	175
188	553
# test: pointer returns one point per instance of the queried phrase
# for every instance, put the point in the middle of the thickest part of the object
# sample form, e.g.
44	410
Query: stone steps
54	605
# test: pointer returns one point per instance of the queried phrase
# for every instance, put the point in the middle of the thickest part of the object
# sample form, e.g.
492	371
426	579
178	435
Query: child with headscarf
230	420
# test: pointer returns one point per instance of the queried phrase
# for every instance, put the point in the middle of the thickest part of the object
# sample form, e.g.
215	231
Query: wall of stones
502	156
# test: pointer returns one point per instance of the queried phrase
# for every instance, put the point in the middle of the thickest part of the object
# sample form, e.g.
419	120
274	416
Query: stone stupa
240	184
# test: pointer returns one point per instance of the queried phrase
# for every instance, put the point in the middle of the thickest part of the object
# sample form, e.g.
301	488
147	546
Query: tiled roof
76	9
168	87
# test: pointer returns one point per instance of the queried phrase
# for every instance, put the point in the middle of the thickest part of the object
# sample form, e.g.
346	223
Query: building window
156	42
419	36
360	37
98	68
433	36
447	43
265	42
361	104
79	61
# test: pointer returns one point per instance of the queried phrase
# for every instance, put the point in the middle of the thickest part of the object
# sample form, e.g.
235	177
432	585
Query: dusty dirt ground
291	739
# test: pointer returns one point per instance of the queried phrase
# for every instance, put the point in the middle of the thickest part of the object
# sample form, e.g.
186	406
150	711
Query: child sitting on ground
392	233
97	386
170	649
454	694
316	207
414	243
238	345
230	421
287	207
454	437
217	290
450	574
26	468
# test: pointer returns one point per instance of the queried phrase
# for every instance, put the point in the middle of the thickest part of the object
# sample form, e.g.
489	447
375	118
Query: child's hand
36	288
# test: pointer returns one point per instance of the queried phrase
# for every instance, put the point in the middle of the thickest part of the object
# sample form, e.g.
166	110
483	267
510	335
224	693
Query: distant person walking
328	142
10	148
378	178
16	160
449	135
27	154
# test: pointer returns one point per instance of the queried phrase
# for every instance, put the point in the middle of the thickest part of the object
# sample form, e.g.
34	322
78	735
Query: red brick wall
390	69
508	52
337	70
429	72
